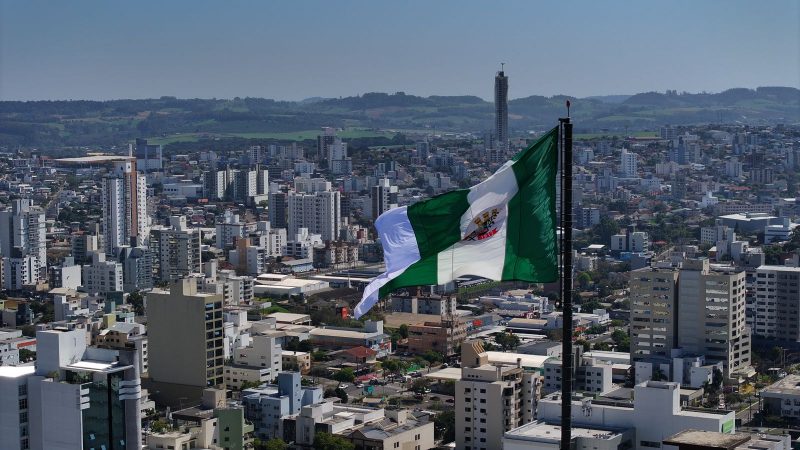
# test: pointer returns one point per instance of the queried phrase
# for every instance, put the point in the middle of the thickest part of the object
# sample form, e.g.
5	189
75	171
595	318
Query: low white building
779	232
654	415
783	397
547	436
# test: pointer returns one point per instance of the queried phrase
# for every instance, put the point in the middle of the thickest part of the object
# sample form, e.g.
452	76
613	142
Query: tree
605	229
432	357
137	302
403	331
590	306
621	340
444	426
272	444
420	385
345	375
327	441
507	341
584	343
159	426
584	280
249	385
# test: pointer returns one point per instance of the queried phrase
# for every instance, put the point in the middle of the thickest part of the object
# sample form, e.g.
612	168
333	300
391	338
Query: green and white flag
502	229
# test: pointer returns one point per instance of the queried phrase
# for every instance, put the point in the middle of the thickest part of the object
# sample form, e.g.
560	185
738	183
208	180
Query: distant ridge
114	122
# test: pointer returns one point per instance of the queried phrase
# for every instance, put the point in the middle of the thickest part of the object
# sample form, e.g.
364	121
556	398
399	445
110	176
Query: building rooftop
707	439
16	371
781	268
448	374
342	333
290	317
97	159
527	361
537	431
94	366
790	384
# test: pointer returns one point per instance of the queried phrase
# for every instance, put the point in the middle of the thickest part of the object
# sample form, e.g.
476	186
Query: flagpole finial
568	105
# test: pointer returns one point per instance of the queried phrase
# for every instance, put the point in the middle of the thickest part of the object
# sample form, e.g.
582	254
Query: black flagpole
566	281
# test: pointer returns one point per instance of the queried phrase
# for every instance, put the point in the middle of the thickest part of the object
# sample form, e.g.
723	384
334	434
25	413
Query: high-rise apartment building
76	397
338	161
277	209
249	185
698	310
320	212
777	303
327	137
491	399
125	218
23	245
628	164
654	318
711	315
185	335
383	197
148	156
229	229
176	250
501	109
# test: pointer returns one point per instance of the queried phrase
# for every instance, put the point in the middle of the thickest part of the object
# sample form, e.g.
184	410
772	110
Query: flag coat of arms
503	229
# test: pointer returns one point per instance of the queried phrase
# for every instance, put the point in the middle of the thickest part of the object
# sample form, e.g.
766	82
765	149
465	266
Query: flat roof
446	374
91	365
16	371
709	439
338	332
289	317
780	268
511	358
790	384
548	431
94	159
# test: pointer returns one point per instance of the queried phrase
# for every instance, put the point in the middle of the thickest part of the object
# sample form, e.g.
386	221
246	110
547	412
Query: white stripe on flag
484	257
400	250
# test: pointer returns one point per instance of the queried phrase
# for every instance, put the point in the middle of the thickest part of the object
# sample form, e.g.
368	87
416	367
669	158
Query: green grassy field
350	133
584	136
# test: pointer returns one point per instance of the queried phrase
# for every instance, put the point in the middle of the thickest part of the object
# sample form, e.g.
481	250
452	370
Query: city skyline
93	51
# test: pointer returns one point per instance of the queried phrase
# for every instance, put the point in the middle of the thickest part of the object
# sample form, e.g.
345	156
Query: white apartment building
777	303
590	375
125	219
175	250
716	233
74	397
383	197
102	276
23	245
338	161
491	399
319	212
628	164
711	315
260	362
229	229
302	246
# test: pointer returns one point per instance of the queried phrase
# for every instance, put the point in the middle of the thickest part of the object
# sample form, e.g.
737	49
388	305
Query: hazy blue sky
80	49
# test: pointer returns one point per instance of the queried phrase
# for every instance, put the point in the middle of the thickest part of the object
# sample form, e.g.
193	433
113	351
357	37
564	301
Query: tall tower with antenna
501	107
